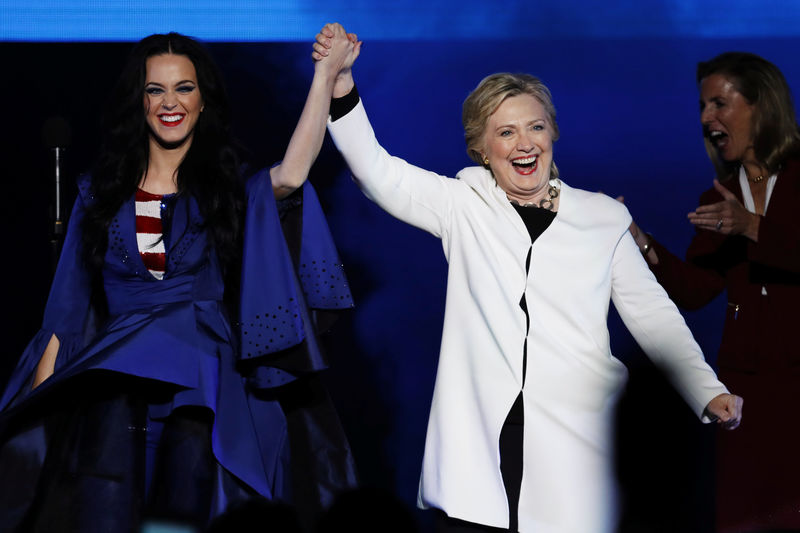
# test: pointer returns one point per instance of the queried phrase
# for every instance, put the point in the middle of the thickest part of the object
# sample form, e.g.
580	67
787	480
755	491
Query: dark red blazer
762	332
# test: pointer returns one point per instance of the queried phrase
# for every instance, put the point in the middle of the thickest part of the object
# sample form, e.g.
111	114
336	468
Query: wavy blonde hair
487	97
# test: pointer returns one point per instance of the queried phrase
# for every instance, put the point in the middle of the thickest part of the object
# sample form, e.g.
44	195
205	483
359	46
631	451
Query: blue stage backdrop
293	20
623	84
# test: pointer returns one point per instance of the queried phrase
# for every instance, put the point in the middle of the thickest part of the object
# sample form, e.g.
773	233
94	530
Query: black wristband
344	104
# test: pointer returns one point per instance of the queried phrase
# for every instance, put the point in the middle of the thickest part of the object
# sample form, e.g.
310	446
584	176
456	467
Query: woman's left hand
728	217
726	409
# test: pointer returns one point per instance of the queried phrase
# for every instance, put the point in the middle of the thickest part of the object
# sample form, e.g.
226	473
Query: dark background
628	114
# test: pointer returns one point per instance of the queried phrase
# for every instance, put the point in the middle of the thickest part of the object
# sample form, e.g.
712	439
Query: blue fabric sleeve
269	309
320	270
66	314
275	319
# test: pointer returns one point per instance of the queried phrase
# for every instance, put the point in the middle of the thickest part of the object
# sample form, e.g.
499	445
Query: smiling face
518	141
172	100
727	119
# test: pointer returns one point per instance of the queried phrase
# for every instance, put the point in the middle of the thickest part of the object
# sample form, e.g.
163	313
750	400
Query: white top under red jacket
583	260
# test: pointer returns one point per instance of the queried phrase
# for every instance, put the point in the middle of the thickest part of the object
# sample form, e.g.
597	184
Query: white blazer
584	259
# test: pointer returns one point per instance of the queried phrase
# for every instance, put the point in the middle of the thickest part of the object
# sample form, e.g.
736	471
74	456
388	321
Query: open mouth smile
525	165
718	138
171	120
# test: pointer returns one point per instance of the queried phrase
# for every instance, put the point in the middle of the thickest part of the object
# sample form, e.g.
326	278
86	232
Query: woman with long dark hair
175	369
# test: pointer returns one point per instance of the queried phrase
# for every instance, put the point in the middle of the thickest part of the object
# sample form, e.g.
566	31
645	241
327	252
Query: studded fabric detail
325	284
185	241
117	246
320	271
271	331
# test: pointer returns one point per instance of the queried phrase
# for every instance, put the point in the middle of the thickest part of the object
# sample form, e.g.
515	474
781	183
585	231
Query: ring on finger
719	225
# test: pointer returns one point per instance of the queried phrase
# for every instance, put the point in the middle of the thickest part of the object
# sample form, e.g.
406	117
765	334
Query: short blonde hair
487	97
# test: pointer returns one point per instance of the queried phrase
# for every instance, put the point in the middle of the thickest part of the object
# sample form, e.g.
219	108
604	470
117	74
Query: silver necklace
544	203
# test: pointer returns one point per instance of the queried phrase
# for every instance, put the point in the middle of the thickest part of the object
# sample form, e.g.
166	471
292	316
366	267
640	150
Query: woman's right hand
335	51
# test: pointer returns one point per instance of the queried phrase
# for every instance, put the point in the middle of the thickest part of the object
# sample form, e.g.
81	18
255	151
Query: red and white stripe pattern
150	232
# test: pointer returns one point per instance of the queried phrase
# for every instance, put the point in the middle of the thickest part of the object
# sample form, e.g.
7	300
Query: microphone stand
56	135
57	233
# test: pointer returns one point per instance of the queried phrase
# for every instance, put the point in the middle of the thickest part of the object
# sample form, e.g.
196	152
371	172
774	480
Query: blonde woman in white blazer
520	429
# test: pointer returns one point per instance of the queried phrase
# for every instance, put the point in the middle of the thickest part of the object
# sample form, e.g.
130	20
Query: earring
486	161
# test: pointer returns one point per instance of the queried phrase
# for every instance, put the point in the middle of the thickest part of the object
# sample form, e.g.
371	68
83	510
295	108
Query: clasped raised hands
335	51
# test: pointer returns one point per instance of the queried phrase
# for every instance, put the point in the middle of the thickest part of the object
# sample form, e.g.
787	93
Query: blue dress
168	346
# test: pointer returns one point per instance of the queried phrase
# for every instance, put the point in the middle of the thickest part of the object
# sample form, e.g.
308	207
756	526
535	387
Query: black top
536	219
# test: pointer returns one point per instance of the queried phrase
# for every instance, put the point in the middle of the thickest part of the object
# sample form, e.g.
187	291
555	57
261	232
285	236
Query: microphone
56	135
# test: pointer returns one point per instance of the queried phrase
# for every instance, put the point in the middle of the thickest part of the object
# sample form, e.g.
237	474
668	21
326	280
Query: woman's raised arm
306	141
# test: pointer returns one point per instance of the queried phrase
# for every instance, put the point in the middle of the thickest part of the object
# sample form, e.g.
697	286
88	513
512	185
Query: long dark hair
209	171
775	132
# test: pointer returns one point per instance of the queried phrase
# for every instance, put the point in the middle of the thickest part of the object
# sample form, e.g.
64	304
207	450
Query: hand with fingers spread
728	217
726	409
